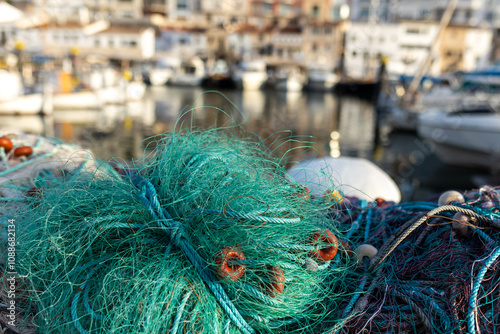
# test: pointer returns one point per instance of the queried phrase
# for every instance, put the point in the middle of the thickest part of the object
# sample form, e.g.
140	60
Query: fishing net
436	266
205	235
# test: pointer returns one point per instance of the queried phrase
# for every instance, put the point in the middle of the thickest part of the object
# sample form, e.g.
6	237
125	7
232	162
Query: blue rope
249	216
175	230
471	321
178	316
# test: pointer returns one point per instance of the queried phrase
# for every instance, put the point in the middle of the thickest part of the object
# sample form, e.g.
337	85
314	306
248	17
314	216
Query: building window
285	9
97	42
267	8
328	31
133	44
412	31
315	11
182	5
111	43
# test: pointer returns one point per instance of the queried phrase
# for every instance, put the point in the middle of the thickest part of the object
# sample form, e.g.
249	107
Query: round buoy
449	197
460	224
6	143
365	250
327	253
23	150
226	269
310	265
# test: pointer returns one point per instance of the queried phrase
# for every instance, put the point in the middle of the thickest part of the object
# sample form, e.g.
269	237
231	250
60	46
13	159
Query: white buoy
355	177
365	250
449	197
460	222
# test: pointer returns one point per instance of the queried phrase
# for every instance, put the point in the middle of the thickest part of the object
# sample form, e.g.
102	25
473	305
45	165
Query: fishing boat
251	75
188	73
14	101
321	79
468	136
161	72
289	78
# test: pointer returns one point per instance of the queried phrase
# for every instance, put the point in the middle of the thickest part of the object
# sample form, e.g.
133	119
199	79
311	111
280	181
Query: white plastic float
355	177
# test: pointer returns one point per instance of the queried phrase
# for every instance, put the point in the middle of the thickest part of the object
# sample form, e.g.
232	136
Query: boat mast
445	20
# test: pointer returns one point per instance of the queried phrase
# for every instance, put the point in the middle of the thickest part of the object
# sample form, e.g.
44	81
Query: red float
6	143
230	271
327	253
23	150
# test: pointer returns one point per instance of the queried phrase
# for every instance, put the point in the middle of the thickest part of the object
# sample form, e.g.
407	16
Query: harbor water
338	125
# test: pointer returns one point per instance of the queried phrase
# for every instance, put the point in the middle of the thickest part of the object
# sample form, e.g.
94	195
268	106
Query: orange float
327	253
226	270
6	143
277	281
23	150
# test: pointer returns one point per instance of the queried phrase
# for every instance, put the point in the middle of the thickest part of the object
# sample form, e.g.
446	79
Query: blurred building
406	44
181	42
280	12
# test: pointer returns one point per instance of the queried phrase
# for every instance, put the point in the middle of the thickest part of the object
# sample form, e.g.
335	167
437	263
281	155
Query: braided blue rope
175	230
256	293
178	316
249	216
471	321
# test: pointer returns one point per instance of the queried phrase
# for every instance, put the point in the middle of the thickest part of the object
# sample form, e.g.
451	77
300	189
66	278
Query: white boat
84	100
189	73
162	71
29	104
13	101
96	99
321	79
288	78
467	137
252	75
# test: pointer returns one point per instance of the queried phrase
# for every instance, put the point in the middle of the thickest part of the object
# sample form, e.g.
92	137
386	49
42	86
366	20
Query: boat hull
23	105
471	140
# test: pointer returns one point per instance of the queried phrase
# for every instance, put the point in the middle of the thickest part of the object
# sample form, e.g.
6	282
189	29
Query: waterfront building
181	42
323	43
406	45
118	9
287	45
281	12
244	41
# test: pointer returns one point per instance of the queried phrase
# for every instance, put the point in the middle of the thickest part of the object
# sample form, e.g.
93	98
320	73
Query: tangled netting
436	269
205	235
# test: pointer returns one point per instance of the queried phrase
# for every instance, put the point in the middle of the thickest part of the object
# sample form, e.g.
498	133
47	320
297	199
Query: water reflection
116	129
